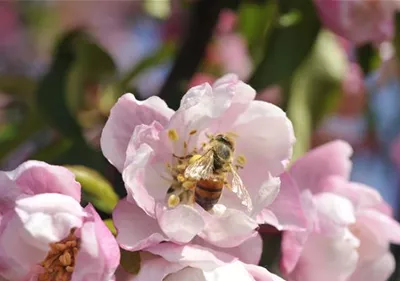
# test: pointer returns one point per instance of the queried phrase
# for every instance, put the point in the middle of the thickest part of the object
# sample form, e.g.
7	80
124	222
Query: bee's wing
202	168
240	189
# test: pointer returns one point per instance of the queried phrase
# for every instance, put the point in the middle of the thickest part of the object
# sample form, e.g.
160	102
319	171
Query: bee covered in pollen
211	170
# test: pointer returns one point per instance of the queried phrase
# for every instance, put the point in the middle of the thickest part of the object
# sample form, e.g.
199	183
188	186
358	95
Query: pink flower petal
261	274
98	256
334	212
187	273
248	252
360	195
126	114
156	269
331	159
191	255
48	217
148	134
293	241
229	229
143	182
287	206
378	269
35	177
9	192
17	254
292	246
231	271
328	259
275	142
267	192
181	224
384	227
136	230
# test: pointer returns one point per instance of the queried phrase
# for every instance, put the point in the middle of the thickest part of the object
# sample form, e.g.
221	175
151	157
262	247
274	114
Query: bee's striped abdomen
208	192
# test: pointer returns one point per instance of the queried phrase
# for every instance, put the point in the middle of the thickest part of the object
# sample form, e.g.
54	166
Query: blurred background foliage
63	64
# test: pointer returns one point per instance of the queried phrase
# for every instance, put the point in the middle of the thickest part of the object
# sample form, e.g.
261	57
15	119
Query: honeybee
210	171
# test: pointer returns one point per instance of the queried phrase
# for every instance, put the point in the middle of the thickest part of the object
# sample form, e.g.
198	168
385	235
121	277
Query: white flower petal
181	223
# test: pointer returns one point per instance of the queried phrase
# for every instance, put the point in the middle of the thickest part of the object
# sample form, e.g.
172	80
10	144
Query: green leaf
288	45
51	95
254	18
96	189
130	261
110	224
315	89
93	65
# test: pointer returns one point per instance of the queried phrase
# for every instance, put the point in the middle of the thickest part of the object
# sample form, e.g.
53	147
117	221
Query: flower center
201	174
60	260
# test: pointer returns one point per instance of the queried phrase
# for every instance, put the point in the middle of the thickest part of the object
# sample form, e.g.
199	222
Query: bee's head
225	139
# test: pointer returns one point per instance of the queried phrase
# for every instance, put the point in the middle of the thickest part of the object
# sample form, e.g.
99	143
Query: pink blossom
272	94
140	139
42	226
226	22
395	151
233	55
349	226
359	21
170	262
201	78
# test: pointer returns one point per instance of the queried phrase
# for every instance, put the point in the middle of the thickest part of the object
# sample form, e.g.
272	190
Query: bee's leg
187	197
237	166
209	136
182	157
228	185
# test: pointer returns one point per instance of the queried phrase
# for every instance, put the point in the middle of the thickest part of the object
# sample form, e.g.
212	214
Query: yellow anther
188	184
173	201
194	158
180	178
173	135
241	160
192	132
181	167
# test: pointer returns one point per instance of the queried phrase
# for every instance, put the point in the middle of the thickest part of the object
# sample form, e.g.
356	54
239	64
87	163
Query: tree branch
203	20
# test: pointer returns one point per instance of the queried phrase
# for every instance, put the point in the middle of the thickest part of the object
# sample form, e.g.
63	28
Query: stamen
192	132
60	261
194	158
173	201
173	135
180	178
241	159
188	184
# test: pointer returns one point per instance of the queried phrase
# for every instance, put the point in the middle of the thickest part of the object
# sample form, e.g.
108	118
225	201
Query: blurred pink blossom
170	262
353	83
227	21
394	151
140	139
233	55
200	78
272	94
359	21
349	226
44	232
